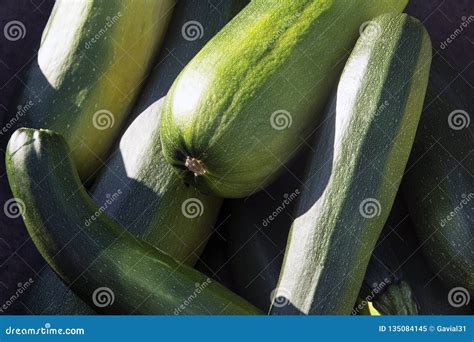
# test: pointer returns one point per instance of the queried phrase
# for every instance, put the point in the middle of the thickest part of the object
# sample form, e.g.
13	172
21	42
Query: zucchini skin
439	186
93	58
143	279
358	149
219	117
49	295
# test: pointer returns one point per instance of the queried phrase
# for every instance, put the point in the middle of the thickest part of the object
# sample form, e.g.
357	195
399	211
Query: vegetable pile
276	160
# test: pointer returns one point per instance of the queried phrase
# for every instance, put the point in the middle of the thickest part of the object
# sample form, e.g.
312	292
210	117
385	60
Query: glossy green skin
439	182
360	153
148	183
74	78
100	253
274	55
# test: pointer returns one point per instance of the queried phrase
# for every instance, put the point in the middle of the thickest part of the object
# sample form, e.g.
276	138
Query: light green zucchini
360	155
241	108
92	61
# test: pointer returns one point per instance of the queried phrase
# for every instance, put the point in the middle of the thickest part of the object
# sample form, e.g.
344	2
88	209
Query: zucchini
439	186
50	296
431	295
93	58
138	190
360	154
242	106
384	280
105	265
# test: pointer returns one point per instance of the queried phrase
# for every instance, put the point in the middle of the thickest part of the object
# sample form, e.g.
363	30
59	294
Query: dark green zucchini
412	270
439	184
93	58
431	295
384	280
138	190
103	263
242	106
360	155
21	25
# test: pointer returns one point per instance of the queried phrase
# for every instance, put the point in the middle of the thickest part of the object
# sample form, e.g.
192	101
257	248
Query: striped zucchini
360	155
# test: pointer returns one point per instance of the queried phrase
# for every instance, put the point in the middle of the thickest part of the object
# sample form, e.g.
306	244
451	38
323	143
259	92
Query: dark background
18	258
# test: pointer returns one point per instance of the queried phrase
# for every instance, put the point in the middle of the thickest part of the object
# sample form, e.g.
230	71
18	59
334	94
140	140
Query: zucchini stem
195	166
